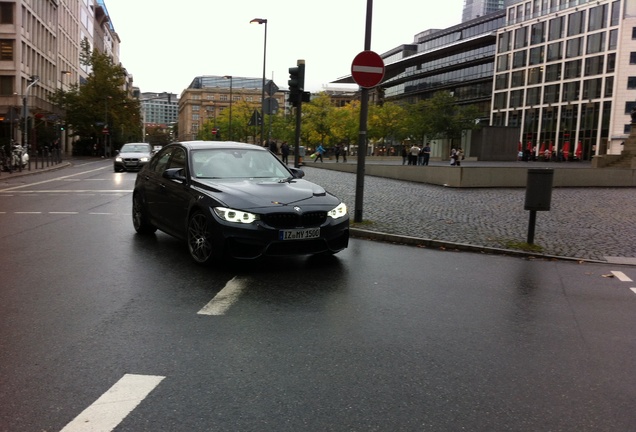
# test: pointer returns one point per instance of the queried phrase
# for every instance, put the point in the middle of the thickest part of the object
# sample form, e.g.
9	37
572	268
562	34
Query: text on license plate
299	234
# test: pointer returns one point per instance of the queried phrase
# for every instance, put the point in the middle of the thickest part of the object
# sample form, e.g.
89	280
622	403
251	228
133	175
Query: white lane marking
28	212
621	276
633	289
63	212
52	180
114	405
77	191
224	298
96	213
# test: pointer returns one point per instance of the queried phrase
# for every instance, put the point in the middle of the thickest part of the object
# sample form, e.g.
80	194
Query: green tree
386	121
442	117
101	102
316	119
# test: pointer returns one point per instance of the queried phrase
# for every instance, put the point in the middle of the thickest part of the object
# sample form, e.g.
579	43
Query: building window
500	100
631	83
504	42
501	81
535	75
6	13
556	29
553	72
611	63
6	49
627	129
195	117
555	51
573	47
6	85
596	43
576	23
518	78
536	55
572	69
592	88
223	98
519	59
609	87
196	107
521	37
633	32
594	65
551	93
571	91
516	98
597	18
503	62
537	33
629	106
534	96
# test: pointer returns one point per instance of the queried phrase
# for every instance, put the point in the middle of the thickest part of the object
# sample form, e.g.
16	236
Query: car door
175	195
153	191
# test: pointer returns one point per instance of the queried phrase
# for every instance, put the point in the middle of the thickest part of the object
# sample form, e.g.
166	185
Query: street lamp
262	21
230	78
25	111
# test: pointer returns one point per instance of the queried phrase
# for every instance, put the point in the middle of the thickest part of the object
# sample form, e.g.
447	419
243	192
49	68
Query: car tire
199	238
140	216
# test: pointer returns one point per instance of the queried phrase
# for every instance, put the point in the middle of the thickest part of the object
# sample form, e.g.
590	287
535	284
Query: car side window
160	162
178	159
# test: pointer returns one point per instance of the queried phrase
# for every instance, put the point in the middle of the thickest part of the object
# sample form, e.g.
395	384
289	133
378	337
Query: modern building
159	109
478	8
559	72
566	75
209	95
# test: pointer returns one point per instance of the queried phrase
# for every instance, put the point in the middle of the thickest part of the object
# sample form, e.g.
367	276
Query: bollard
538	195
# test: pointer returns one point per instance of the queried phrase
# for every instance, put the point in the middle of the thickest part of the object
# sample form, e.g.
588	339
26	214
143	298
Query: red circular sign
367	69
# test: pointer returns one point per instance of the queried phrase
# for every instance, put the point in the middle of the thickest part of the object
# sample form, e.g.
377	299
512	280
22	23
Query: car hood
259	193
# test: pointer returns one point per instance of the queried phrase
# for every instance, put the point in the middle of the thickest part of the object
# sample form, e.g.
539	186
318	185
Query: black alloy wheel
199	243
140	216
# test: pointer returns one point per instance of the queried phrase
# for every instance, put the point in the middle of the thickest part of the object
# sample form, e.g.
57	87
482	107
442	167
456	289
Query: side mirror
176	174
297	172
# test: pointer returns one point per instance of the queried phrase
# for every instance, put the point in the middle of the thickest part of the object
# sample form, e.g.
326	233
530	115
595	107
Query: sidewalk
35	167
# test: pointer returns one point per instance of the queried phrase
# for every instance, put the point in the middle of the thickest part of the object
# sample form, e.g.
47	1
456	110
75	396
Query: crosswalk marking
224	298
113	406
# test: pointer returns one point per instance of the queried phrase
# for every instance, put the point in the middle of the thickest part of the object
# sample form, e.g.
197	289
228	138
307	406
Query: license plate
299	234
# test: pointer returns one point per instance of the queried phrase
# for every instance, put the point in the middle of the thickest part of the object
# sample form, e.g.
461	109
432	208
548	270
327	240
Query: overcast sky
165	45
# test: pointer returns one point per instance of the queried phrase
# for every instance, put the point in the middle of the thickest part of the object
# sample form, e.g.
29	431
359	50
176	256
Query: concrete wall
492	177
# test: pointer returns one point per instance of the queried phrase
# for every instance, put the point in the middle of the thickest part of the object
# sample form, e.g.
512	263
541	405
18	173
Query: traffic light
296	81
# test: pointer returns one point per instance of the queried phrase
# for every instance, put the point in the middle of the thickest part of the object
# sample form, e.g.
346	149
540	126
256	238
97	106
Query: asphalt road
381	337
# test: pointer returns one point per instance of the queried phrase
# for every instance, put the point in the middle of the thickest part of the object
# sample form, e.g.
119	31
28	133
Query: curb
26	171
444	245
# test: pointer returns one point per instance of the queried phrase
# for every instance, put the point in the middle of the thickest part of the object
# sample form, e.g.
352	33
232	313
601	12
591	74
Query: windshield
232	163
135	148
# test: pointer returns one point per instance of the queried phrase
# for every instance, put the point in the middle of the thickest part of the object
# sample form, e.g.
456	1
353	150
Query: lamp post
230	78
25	111
62	141
262	21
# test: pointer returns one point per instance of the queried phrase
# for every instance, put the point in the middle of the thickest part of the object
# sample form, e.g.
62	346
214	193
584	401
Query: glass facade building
565	74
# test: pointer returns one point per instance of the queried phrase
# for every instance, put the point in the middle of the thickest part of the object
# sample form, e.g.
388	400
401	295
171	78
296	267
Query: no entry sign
367	69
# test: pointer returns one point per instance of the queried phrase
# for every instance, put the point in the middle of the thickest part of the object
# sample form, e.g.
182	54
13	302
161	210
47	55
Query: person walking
426	152
337	151
414	153
319	152
284	151
405	155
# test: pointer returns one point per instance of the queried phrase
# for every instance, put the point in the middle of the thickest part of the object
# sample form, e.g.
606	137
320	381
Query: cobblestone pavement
585	223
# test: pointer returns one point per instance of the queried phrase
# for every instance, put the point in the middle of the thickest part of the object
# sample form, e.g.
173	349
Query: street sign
270	106
367	69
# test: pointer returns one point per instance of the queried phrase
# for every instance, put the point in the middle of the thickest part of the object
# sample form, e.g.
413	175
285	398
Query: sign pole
362	135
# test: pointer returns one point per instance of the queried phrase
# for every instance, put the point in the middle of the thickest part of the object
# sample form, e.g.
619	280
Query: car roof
198	145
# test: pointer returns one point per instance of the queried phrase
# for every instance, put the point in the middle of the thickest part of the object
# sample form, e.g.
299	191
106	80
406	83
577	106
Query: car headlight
237	216
118	159
144	159
339	211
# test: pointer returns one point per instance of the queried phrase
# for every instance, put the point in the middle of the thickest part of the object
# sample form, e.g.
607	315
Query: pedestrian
414	153
284	151
319	151
273	147
337	151
345	149
420	157
459	156
427	154
453	156
405	155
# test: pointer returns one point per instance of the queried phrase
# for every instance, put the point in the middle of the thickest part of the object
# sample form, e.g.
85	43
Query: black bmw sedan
229	199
